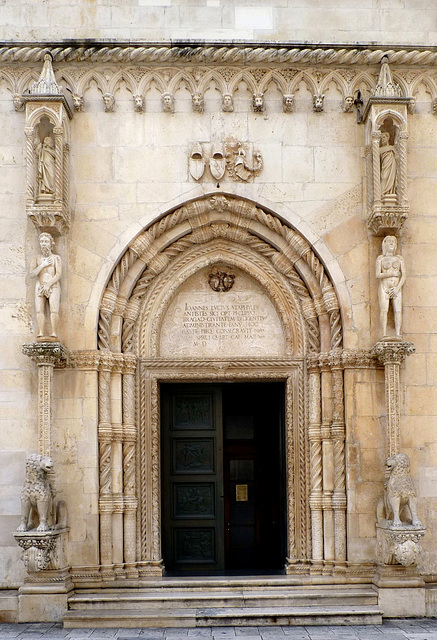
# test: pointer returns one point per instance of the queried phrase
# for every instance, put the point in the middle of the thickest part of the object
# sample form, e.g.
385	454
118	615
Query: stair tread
227	611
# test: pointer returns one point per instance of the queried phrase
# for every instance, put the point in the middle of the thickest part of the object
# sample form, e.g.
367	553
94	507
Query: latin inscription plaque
203	322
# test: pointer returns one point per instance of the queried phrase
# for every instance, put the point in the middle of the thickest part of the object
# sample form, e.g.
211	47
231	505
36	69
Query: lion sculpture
38	497
400	495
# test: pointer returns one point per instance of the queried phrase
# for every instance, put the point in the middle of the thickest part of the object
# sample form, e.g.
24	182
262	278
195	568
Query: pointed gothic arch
218	229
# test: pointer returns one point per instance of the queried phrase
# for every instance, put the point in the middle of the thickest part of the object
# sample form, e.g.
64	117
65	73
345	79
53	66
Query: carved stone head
318	102
348	104
78	102
18	102
109	101
258	102
389	245
227	102
198	102
167	102
46	243
287	103
138	102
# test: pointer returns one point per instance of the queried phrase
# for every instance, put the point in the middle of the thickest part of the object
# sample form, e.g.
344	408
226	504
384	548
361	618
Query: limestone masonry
218	312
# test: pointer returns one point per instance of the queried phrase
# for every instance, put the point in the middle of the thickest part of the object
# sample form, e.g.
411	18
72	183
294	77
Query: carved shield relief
197	162
217	162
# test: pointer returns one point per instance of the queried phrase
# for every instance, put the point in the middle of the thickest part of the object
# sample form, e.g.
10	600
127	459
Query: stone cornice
195	52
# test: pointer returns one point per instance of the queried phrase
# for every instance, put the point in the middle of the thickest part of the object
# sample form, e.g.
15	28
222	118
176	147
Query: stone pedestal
44	594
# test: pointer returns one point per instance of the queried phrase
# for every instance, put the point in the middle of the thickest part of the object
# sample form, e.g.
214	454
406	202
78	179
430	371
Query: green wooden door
192	478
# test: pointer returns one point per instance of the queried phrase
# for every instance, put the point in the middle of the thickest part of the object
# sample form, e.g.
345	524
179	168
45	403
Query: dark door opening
223	477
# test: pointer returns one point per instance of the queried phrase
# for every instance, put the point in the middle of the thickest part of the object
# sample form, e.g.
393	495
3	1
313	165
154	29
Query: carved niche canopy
385	116
47	152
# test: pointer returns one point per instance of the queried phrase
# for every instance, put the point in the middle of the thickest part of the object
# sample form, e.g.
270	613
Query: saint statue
46	166
390	272
388	165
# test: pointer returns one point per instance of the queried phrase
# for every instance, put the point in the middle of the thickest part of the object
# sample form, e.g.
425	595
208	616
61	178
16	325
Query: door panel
223	477
192	478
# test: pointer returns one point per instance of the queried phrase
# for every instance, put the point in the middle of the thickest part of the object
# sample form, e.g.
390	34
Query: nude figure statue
48	272
390	272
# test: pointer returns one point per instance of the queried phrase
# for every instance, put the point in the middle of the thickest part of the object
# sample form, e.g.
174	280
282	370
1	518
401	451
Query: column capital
47	353
393	351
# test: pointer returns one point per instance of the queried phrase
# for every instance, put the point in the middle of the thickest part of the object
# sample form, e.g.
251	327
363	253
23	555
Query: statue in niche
227	103
388	165
390	271
48	271
46	155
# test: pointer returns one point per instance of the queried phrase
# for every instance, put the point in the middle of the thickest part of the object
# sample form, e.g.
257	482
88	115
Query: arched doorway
158	326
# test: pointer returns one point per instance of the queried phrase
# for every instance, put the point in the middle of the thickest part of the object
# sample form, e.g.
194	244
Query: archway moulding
207	219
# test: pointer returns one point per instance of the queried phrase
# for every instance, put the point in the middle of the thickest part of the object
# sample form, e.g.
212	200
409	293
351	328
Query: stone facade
143	181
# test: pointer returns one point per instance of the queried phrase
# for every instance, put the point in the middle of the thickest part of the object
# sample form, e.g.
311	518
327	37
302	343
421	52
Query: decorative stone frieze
47	150
43	551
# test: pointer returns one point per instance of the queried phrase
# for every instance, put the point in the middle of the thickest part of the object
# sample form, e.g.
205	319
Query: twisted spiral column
338	436
105	460
315	439
403	137
59	174
376	136
129	471
30	160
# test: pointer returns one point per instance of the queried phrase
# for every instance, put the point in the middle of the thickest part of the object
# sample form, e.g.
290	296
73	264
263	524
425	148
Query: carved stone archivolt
201	237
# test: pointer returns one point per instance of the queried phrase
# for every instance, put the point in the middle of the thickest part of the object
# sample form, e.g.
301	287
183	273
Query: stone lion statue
38	497
399	500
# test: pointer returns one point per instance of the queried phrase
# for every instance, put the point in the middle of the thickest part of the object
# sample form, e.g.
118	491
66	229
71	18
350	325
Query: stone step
227	616
232	597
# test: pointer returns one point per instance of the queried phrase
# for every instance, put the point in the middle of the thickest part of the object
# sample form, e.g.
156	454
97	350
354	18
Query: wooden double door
223	477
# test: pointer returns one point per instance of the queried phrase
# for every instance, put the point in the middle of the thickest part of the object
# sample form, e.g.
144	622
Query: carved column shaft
46	355
402	188
391	354
58	132
338	436
30	159
45	404
129	477
105	462
117	466
376	136
328	465
315	439
391	374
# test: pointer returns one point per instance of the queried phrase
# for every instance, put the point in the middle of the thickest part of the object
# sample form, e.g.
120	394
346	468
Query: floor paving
391	629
